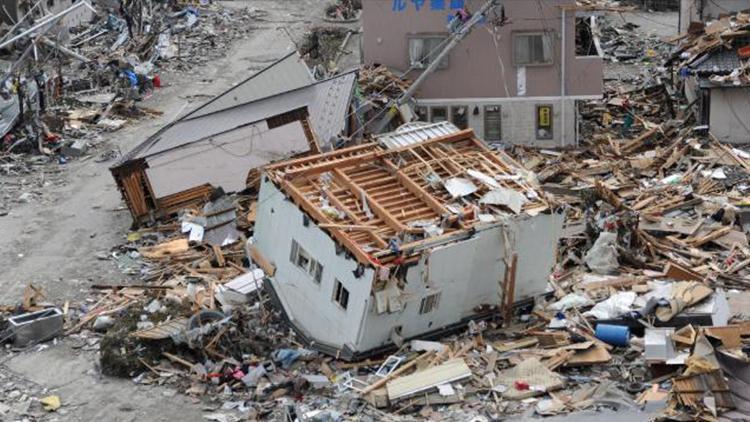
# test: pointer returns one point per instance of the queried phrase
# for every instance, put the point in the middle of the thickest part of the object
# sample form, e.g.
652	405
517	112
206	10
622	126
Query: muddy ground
57	239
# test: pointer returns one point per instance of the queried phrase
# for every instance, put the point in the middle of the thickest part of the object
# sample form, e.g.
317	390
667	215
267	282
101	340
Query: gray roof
415	132
327	102
286	74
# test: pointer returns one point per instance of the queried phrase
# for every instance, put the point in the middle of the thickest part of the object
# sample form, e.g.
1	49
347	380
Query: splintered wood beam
417	190
312	140
358	192
340	205
499	157
317	214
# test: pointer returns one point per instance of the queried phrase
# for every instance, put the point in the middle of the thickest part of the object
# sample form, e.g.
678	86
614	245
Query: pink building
504	81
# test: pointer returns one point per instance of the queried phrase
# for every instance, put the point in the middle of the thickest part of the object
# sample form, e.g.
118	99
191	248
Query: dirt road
54	242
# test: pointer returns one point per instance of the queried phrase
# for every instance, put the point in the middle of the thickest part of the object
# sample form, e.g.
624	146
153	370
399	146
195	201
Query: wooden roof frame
390	184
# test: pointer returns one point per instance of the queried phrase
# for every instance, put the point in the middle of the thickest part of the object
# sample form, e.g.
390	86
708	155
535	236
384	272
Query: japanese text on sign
402	5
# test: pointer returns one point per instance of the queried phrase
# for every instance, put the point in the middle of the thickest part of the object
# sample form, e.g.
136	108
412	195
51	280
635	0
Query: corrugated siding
413	133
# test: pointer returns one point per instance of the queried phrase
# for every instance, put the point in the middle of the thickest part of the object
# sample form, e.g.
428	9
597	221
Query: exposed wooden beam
340	205
313	210
417	190
357	191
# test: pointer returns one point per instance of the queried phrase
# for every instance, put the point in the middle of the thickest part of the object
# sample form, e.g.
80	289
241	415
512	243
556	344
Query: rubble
71	95
644	315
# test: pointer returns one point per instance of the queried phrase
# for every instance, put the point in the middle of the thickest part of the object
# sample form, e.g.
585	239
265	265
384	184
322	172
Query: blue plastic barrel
616	335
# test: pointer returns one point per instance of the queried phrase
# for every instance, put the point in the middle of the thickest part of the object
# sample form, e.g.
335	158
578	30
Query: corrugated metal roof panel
415	132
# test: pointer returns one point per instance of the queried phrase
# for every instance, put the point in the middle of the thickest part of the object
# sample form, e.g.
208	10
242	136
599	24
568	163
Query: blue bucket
616	335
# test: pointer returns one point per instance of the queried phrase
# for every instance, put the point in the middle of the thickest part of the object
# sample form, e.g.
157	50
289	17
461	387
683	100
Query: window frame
499	108
544	34
432	114
340	294
428	36
312	267
452	113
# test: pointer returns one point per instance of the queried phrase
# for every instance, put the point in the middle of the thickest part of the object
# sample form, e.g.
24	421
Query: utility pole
455	39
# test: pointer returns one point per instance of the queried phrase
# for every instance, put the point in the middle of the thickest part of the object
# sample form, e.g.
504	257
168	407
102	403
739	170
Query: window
422	113
429	303
532	48
544	122
460	116
492	123
423	50
439	114
585	40
340	294
302	259
316	271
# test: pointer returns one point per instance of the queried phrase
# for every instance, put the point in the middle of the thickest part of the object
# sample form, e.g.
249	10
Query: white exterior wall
730	108
468	274
309	305
518	124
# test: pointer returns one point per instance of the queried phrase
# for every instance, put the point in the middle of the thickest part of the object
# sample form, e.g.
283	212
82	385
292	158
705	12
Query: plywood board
420	381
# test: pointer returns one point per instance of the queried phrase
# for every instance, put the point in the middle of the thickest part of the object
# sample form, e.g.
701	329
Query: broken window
439	114
340	294
585	45
423	50
302	259
532	48
492	123
460	116
544	121
429	303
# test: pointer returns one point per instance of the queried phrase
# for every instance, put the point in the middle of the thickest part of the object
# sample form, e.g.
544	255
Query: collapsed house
259	121
412	235
714	66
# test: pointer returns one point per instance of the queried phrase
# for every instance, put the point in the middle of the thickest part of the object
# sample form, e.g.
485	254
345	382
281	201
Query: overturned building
415	234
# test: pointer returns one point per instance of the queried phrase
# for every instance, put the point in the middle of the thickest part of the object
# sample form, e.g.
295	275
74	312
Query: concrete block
76	148
36	326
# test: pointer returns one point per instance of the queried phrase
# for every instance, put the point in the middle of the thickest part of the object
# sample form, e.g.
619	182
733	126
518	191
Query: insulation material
458	186
505	197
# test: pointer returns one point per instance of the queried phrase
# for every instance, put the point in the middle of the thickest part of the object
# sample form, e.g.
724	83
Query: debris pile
621	43
322	46
646	315
58	101
344	10
378	87
718	51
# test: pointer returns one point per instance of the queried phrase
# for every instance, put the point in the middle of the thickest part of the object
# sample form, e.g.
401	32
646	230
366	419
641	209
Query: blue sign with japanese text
402	5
